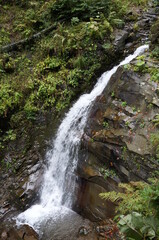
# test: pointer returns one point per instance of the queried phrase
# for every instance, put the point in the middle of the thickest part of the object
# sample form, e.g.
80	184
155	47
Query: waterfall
59	178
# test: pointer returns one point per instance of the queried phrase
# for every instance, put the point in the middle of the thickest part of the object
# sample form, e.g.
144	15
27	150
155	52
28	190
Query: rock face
117	136
21	182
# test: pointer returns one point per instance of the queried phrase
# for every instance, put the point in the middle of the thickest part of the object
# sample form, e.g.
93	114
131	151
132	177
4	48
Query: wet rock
25	232
91	204
120	38
83	231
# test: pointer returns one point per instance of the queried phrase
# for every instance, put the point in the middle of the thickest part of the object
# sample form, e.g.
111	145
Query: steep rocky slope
119	144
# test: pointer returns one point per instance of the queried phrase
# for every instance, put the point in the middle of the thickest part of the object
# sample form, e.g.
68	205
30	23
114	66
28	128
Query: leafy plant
113	94
156	120
155	52
155	143
9	98
127	123
137	209
107	173
74	20
67	9
154	72
139	66
138	227
106	124
124	104
10	135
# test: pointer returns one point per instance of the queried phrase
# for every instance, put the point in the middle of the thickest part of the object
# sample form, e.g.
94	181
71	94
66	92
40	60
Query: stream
57	196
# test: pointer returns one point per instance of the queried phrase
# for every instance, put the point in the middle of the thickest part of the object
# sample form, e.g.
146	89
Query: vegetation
107	172
51	72
137	210
155	143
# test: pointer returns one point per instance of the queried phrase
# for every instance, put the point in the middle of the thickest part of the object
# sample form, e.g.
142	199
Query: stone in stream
25	232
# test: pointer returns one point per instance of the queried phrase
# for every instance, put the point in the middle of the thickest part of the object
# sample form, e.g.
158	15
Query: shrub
138	209
83	10
9	99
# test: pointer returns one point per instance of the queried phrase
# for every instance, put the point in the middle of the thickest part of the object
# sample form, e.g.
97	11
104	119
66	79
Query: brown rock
4	235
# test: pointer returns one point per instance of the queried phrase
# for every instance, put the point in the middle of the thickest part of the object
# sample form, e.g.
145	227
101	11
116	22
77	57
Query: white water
59	178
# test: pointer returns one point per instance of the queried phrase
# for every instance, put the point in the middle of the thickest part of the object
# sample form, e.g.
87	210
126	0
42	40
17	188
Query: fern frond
132	186
112	196
127	187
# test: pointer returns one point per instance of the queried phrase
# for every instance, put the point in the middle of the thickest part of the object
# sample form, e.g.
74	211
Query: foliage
156	120
107	173
155	52
138	209
154	72
140	66
67	9
124	104
155	141
9	98
106	124
136	197
136	226
52	72
9	165
10	135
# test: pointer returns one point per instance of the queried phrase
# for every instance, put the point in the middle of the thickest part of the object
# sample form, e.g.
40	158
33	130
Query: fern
135	197
112	196
138	209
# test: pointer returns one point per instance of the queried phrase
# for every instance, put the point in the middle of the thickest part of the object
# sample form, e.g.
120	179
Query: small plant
154	74
9	165
107	46
106	124
113	94
156	120
10	135
124	151
119	23
107	173
155	143
140	66
91	140
155	53
142	124
150	105
137	209
134	109
74	20
124	104
127	123
127	66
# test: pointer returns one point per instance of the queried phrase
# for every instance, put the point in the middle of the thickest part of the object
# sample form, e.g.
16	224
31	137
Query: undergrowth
137	210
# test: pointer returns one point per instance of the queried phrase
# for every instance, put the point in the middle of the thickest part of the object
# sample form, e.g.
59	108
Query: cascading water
59	178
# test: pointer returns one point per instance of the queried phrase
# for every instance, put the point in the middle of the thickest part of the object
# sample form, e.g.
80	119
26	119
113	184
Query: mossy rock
155	32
